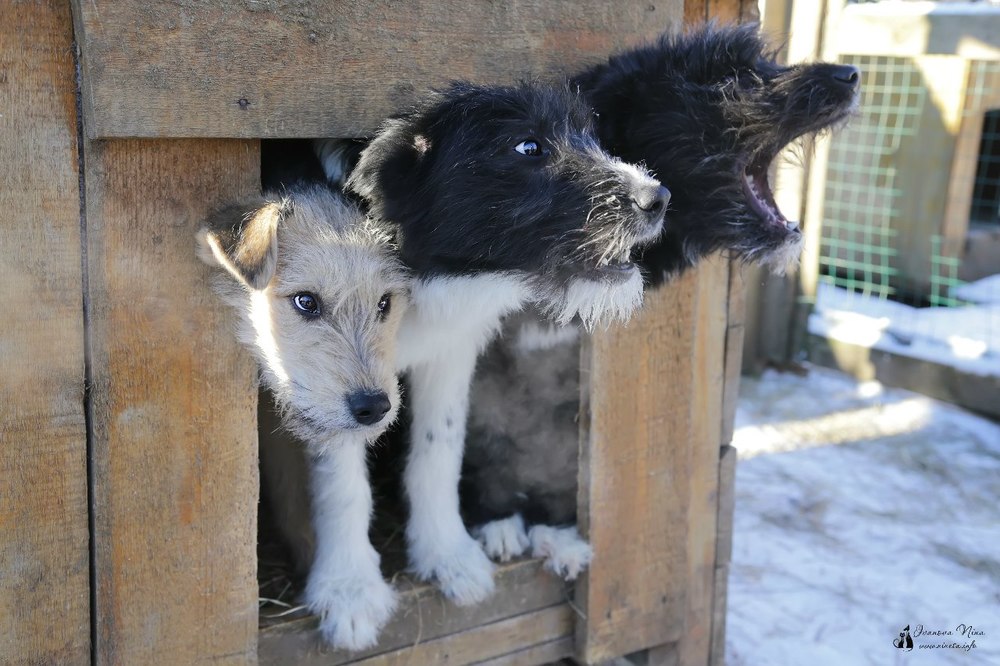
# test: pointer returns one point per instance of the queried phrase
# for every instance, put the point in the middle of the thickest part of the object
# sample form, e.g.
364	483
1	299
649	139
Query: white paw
503	539
351	611
566	553
464	574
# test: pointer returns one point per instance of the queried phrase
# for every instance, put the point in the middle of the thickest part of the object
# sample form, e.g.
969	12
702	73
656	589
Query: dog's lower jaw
785	258
440	548
597	302
345	587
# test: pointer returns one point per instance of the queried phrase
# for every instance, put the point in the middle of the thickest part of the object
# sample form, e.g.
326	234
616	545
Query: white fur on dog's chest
449	313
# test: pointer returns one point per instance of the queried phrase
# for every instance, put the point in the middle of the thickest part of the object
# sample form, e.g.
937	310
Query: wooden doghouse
128	476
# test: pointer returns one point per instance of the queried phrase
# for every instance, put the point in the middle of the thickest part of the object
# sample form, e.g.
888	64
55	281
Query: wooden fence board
174	410
222	69
44	558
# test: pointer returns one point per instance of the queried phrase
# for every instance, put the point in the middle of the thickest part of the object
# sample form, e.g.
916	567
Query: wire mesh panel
869	292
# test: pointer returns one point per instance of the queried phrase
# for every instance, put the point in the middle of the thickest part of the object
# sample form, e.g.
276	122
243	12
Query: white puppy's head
319	295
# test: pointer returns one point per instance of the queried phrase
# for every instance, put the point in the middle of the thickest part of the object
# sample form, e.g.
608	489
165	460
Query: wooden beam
423	615
174	410
649	470
44	558
285	68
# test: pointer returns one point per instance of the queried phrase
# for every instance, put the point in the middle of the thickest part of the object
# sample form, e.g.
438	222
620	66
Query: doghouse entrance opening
286	164
986	188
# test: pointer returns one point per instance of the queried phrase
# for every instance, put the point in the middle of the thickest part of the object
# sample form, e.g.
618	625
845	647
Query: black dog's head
512	180
707	112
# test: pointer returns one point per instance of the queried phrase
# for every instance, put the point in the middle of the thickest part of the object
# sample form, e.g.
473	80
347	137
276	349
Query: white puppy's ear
243	239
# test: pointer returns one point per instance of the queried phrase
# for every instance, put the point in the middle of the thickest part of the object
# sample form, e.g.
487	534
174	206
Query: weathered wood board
285	68
44	557
174	410
423	615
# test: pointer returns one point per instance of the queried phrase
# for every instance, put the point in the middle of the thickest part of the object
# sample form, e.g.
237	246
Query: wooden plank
643	439
174	410
486	641
723	553
706	418
733	360
423	615
546	653
44	558
285	68
980	393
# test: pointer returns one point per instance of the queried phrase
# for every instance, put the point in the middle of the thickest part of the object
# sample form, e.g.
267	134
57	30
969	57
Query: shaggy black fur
466	200
703	111
707	112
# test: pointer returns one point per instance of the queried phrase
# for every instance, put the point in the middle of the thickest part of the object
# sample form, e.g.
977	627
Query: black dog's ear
243	239
387	172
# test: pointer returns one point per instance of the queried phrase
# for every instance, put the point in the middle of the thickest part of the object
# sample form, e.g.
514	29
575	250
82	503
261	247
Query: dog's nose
847	75
651	199
368	407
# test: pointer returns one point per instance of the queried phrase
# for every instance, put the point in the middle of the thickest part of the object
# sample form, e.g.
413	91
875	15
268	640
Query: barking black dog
498	197
707	112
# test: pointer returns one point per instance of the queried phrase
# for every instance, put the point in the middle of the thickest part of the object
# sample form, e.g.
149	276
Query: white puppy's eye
307	304
530	148
384	304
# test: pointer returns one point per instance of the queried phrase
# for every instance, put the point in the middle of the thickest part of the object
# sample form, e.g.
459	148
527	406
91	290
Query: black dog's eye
307	304
530	147
384	304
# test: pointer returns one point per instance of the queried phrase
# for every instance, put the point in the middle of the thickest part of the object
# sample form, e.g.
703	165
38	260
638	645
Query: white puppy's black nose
651	199
368	407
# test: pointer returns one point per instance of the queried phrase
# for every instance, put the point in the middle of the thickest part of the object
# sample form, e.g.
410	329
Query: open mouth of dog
757	189
613	269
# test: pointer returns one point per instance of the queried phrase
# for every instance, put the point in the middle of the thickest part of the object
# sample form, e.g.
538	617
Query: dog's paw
464	574
351	611
566	553
503	539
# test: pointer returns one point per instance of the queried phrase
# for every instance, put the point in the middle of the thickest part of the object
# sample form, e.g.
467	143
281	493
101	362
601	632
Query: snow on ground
860	510
967	338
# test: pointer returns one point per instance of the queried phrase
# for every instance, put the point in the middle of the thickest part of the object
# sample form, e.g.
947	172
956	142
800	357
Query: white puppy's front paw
566	553
351	611
464	574
503	539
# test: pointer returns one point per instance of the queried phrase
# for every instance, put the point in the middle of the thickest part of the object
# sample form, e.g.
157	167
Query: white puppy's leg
503	539
566	553
345	586
440	547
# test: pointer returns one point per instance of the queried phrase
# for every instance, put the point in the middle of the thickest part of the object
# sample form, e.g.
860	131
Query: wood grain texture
173	410
708	392
306	69
484	642
423	615
723	11
44	559
723	553
735	331
635	474
553	652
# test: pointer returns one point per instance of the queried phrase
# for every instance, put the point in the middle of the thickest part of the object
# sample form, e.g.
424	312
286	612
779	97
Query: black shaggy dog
706	112
498	197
